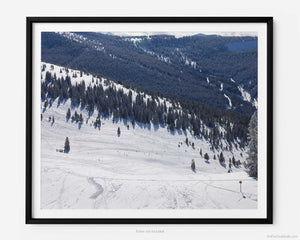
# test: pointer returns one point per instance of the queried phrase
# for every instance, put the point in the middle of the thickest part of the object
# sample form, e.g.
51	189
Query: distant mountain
203	69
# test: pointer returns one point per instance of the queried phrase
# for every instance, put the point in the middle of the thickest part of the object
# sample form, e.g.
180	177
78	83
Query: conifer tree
252	152
193	165
119	131
221	159
206	157
46	103
80	118
68	113
67	145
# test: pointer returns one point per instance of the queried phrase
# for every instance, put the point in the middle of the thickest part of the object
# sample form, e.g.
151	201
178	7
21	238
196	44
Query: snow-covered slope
247	97
145	167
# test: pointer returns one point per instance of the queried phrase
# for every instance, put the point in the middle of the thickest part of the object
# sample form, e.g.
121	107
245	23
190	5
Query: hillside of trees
118	58
182	115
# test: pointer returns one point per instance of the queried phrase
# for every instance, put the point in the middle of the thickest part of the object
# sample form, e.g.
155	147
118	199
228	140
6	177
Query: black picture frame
29	120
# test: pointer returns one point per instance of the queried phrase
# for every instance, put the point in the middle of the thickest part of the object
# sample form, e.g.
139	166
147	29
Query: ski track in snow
97	186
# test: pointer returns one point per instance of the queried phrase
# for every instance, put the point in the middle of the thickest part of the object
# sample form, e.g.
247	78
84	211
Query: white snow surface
247	97
146	167
229	101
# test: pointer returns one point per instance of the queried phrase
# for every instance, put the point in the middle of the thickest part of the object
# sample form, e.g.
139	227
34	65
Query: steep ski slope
145	167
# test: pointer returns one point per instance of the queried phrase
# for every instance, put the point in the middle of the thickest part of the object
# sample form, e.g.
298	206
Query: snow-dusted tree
119	131
67	145
206	157
80	118
252	152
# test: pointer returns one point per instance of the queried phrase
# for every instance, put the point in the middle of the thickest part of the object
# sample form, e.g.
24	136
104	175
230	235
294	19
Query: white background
286	116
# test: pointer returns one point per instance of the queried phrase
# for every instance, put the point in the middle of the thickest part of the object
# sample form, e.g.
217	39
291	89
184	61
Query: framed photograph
149	120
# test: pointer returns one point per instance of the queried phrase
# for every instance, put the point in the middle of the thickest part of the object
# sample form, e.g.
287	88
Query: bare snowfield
143	168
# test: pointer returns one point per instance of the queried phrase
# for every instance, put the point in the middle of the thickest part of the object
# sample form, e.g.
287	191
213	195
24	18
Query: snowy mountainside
145	167
162	64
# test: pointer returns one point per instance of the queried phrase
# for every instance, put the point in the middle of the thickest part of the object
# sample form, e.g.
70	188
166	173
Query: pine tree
46	104
187	141
193	165
206	157
68	113
221	159
119	131
80	118
67	145
252	152
201	152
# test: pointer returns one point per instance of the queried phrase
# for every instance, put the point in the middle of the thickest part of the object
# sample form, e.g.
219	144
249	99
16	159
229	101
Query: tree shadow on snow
223	165
144	125
179	132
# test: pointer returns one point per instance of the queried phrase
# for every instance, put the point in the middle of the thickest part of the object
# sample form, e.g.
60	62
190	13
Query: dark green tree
193	167
67	145
68	113
221	159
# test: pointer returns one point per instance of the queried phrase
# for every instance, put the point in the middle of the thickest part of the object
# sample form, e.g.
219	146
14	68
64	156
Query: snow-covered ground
146	167
229	106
